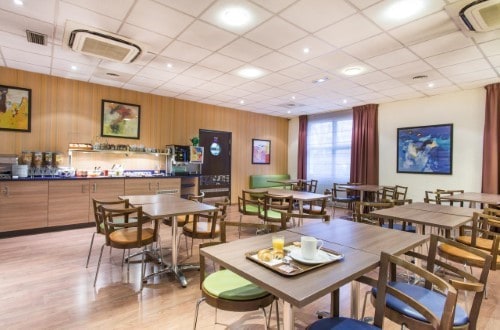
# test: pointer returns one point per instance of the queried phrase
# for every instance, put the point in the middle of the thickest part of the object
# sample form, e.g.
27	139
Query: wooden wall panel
66	111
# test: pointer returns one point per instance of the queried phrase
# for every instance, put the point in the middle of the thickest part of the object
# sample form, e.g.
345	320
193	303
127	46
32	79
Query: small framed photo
425	149
15	109
261	151
121	120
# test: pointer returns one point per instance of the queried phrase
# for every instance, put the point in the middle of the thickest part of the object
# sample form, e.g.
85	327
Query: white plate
321	257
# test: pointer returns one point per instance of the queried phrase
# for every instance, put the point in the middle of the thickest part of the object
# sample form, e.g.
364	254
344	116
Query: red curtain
491	141
302	148
364	147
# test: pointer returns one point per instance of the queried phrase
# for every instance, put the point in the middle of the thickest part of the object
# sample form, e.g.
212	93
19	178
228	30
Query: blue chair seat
399	226
341	323
433	300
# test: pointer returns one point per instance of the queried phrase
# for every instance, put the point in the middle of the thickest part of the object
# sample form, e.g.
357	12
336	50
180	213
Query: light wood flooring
44	285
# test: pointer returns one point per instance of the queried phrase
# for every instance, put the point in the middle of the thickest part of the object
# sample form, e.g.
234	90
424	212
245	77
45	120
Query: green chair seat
227	285
271	215
251	208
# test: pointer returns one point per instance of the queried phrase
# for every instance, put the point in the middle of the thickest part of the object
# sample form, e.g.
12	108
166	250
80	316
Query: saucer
321	257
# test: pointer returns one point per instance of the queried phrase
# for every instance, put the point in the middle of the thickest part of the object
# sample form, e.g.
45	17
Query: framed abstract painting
120	120
425	149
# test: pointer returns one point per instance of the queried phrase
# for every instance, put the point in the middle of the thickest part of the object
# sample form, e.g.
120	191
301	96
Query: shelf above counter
117	152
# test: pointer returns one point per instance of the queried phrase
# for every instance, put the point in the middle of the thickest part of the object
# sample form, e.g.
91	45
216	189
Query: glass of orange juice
278	243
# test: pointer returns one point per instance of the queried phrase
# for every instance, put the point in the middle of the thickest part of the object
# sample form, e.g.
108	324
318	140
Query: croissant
265	255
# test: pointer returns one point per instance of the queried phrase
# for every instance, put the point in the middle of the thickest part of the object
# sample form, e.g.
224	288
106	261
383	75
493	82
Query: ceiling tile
114	9
315	46
275	5
426	28
374	46
27	66
185	52
82	76
191	7
300	71
408	69
471	66
40	10
275	61
155	17
332	61
156	73
27	57
202	72
379	12
473	76
244	50
187	81
370	78
394	58
454	57
443	44
305	13
274	79
17	42
215	12
206	36
213	87
18	24
230	80
254	86
220	62
348	31
275	33
491	47
86	17
169	64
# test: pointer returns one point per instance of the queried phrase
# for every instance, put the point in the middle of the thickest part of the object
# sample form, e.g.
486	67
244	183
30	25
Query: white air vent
476	15
101	44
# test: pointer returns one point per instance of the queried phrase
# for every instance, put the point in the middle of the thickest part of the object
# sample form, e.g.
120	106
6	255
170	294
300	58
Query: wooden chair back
442	322
98	216
362	212
271	206
248	201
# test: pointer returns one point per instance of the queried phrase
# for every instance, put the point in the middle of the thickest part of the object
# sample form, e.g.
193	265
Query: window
329	148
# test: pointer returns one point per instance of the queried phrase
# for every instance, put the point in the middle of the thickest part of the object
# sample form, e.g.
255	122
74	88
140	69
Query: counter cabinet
48	203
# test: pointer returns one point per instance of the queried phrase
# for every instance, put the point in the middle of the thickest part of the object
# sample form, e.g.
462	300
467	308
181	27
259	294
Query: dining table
285	182
356	242
474	197
363	189
443	217
162	206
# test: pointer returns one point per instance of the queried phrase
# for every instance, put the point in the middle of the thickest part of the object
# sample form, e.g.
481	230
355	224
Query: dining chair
99	224
362	212
463	318
301	185
315	207
181	219
410	295
483	236
203	226
248	205
124	234
312	186
344	196
270	206
225	290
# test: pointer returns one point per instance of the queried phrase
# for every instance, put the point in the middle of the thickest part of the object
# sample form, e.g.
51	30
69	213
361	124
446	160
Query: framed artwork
15	109
261	151
425	149
196	154
120	120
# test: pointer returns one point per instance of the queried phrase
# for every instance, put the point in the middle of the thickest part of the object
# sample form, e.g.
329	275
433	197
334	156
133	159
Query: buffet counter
52	202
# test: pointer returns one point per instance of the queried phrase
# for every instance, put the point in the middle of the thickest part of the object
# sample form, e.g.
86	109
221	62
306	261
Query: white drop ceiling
205	55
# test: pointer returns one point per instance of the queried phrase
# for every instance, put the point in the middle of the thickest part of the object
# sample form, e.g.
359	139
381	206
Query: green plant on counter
195	141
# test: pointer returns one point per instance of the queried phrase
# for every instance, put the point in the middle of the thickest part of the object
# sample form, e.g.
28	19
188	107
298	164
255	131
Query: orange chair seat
129	235
456	253
481	243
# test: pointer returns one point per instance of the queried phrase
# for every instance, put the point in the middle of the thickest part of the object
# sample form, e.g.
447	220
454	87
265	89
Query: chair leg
265	318
90	249
198	302
99	264
277	313
143	269
239	227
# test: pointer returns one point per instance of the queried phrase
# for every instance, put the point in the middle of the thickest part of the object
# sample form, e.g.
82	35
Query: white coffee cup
309	247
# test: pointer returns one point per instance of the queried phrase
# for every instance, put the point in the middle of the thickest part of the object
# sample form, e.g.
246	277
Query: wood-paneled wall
66	111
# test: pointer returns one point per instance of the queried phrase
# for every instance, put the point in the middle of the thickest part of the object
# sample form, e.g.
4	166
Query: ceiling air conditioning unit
101	44
476	15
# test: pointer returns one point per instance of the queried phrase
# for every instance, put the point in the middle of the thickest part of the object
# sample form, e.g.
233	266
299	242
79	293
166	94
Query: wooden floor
44	285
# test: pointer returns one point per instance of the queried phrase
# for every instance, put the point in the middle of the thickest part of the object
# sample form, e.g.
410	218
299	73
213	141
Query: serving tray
294	267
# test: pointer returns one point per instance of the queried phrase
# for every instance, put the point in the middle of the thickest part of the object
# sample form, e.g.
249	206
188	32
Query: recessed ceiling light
289	111
242	102
74	67
250	72
404	8
344	101
320	80
18	2
430	85
306	50
169	65
235	16
352	71
293	97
